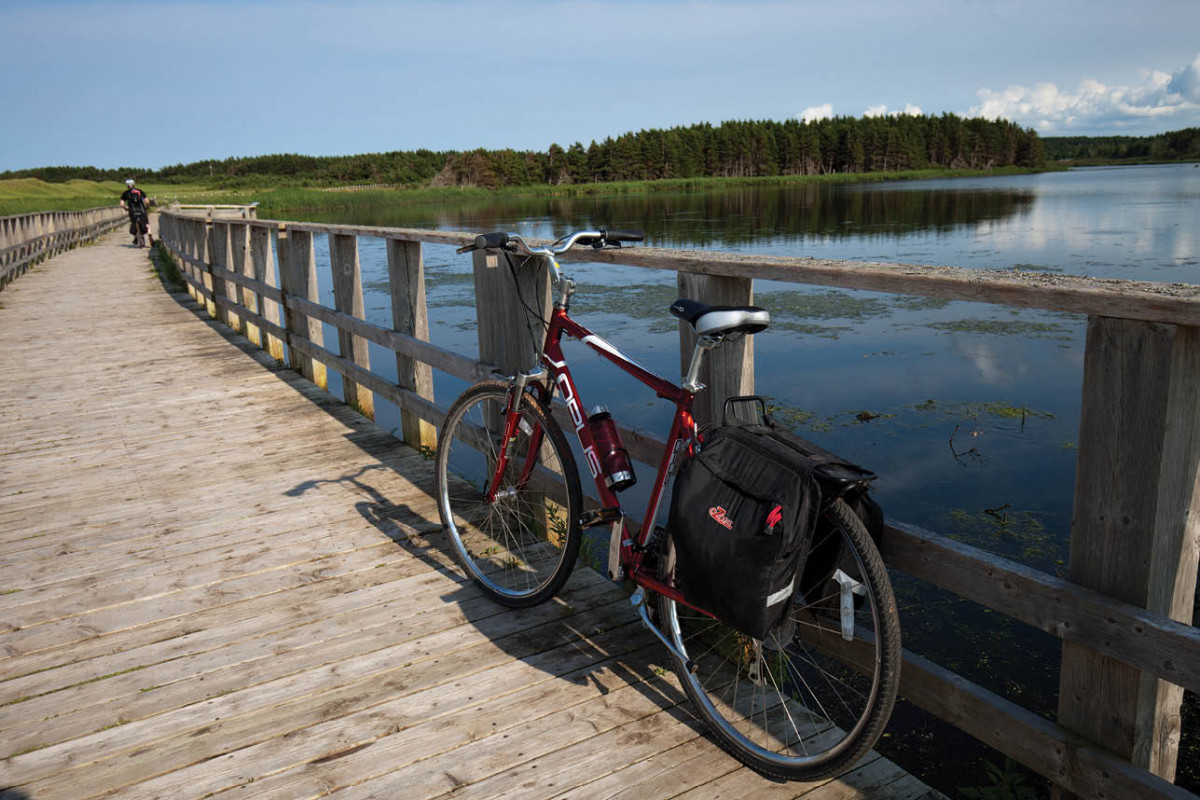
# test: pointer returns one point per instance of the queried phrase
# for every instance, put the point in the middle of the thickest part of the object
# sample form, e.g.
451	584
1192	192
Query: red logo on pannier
722	518
775	517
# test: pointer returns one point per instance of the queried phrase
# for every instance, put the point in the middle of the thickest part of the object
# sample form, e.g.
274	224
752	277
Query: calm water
974	408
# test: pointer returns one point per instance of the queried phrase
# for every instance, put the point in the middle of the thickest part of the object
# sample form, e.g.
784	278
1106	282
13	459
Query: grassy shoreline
26	195
294	198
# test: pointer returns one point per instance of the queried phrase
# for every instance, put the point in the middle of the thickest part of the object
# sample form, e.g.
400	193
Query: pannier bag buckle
850	587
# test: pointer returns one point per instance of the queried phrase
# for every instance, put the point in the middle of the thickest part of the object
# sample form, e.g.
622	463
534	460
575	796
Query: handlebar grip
489	240
622	236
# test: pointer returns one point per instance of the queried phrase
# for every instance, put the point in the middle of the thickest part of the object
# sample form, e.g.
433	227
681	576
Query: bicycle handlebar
487	240
622	236
598	239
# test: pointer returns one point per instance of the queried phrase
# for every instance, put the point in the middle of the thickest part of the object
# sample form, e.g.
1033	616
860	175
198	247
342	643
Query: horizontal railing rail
238	210
230	267
27	239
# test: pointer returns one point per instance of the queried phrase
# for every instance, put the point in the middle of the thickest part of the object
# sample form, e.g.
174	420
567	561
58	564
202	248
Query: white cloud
1186	82
814	113
882	111
1095	105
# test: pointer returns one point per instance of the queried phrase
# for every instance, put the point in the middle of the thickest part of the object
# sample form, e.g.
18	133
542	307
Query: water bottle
614	460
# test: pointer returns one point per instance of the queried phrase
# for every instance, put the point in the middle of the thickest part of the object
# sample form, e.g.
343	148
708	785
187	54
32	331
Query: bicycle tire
790	726
520	549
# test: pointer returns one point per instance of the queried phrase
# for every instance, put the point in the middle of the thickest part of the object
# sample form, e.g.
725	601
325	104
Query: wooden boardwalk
216	581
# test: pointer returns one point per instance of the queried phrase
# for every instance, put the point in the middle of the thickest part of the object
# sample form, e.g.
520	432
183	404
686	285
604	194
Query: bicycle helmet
129	181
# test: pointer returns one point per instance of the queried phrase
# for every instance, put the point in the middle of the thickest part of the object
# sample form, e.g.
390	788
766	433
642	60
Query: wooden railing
26	239
210	210
1123	611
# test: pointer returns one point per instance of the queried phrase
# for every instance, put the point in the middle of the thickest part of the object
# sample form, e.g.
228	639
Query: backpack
744	514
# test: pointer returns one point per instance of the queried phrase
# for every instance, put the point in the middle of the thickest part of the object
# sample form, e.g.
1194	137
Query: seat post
691	380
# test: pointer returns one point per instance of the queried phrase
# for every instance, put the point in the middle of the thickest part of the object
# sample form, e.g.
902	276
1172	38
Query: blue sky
149	84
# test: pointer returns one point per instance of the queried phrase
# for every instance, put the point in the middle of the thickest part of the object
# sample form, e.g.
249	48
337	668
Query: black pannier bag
744	514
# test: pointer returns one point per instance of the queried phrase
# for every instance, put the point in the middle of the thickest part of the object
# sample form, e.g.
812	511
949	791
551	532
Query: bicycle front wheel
520	546
813	697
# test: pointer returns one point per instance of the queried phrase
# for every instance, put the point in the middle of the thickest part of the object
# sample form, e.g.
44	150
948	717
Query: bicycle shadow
587	635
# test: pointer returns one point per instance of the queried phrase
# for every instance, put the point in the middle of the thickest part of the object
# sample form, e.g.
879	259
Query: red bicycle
807	700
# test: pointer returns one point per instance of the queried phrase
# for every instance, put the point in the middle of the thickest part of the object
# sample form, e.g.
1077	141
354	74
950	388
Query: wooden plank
408	727
308	697
437	357
348	298
1134	526
254	319
133	647
1141	638
728	370
403	398
670	773
1175	553
410	316
1066	758
58	715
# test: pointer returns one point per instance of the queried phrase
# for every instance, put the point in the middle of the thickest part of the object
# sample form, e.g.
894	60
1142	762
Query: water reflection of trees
730	217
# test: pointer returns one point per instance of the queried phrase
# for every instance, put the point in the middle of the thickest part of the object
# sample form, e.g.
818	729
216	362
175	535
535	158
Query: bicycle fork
512	423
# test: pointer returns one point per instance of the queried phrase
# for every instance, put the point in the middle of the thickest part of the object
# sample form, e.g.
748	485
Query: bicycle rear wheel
804	703
520	548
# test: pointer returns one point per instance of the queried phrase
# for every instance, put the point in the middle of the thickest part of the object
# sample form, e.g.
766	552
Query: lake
973	409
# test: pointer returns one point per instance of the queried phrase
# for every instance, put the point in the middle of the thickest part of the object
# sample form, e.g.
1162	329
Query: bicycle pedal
599	516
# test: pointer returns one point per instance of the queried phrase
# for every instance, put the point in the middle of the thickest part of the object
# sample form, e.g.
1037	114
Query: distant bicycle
799	680
134	201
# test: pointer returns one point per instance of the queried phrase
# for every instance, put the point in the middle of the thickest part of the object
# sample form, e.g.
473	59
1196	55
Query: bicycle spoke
513	544
803	702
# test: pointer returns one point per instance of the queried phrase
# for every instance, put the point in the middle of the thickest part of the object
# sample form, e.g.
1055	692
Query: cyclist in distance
134	201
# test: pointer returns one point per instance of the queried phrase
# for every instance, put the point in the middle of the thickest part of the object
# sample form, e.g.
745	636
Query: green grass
166	268
25	195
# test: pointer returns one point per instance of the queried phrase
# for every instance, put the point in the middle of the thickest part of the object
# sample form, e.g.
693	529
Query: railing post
410	315
508	337
298	273
182	246
728	370
203	248
260	260
348	299
1135	534
219	257
6	241
239	261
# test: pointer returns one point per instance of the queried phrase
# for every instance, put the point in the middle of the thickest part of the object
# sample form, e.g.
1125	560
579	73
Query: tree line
735	149
760	149
1181	145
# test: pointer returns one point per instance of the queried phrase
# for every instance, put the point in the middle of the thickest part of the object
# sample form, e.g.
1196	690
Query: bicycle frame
626	549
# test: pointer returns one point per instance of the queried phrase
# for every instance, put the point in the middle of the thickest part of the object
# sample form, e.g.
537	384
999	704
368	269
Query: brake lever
469	248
